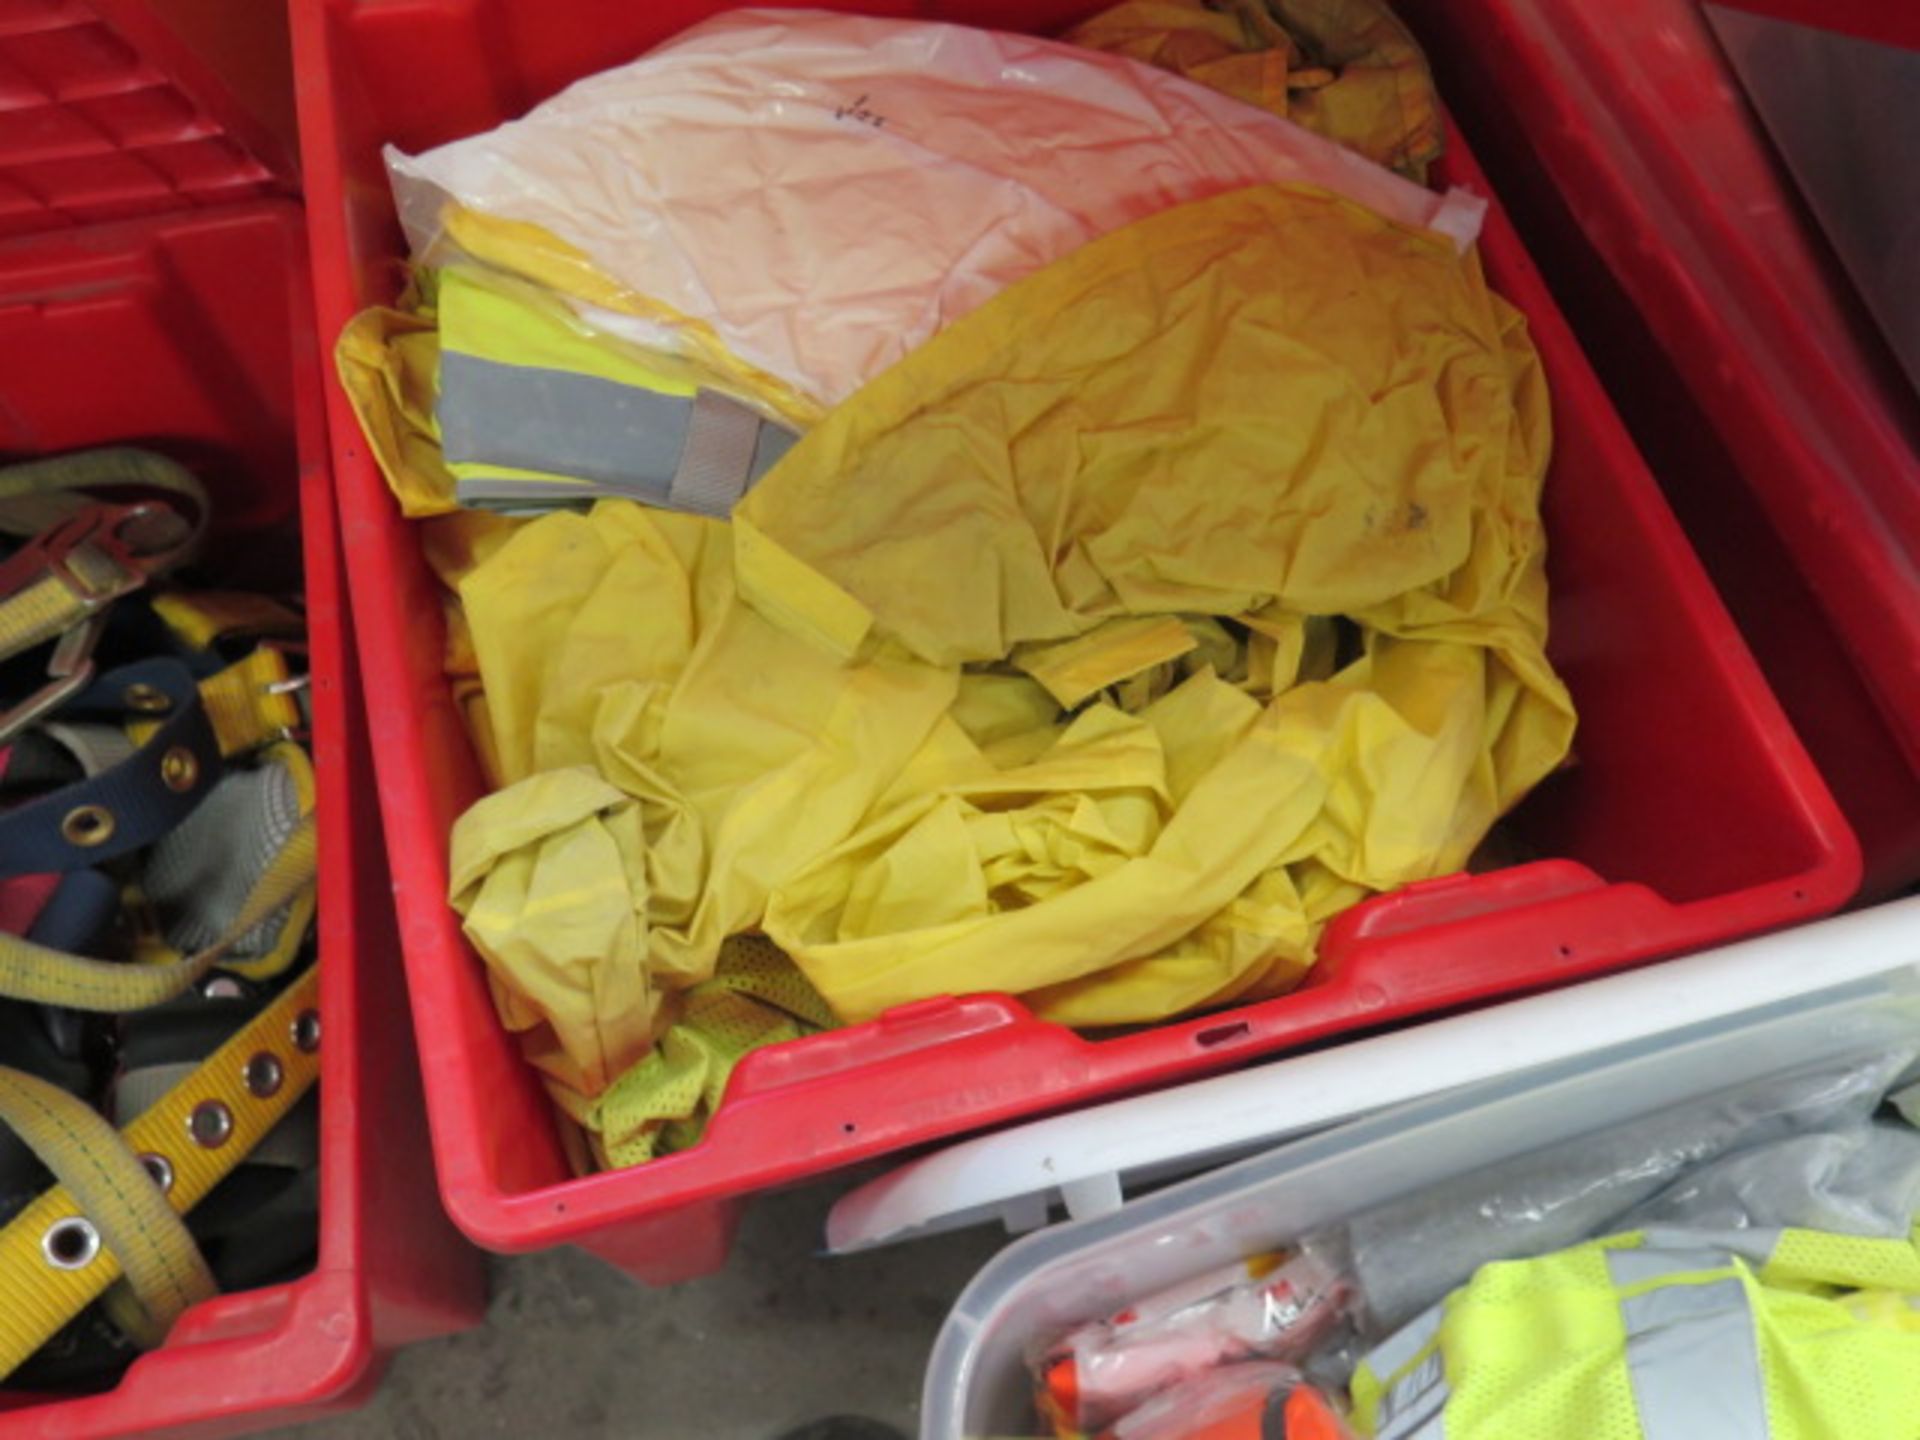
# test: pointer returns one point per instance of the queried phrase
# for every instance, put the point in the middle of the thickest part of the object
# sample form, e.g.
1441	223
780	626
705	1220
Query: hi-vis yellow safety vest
486	391
1663	1335
536	409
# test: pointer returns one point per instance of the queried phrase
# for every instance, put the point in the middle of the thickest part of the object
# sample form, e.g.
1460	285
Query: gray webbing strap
716	463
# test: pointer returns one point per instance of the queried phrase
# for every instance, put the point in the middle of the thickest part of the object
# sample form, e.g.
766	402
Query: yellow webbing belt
43	611
37	495
105	1182
200	617
246	709
54	977
247	703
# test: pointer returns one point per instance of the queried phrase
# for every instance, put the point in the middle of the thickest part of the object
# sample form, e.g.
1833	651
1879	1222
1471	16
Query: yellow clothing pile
1099	651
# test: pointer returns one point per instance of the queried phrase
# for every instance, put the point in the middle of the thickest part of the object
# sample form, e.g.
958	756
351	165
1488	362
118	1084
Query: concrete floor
572	1350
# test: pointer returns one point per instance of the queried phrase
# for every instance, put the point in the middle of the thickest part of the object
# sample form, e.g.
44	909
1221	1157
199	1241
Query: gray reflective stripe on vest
1693	1354
697	453
1415	1408
1637	1267
1414	1405
1755	1245
1396	1352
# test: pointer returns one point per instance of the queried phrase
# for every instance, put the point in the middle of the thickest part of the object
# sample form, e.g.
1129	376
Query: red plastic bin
106	113
190	330
1734	345
192	334
1693	815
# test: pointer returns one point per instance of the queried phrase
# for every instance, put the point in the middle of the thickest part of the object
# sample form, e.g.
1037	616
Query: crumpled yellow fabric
453	546
1347	69
667	754
388	362
1268	404
1101	651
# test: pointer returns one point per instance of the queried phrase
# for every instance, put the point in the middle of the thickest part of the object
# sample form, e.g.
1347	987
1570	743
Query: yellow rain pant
1345	69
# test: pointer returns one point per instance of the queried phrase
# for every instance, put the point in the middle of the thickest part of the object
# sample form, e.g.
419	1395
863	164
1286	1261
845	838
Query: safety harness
170	820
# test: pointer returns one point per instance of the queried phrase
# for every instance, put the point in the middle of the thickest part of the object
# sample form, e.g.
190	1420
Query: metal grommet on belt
210	1125
179	769
88	825
160	1168
70	1244
306	1031
146	699
263	1074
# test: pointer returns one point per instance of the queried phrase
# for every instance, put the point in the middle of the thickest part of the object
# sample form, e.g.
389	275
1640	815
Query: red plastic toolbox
190	330
1784	435
1693	815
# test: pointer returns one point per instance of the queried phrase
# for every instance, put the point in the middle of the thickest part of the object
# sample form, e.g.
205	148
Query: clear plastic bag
1409	1255
1864	1180
1272	1307
812	195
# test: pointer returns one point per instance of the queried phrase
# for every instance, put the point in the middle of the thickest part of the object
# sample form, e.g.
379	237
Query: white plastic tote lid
1086	1160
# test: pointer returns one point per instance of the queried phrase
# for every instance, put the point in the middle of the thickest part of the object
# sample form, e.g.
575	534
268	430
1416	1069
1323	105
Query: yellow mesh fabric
1531	1350
1889	1309
1840	1350
1830	1373
1807	1258
755	998
1538	1348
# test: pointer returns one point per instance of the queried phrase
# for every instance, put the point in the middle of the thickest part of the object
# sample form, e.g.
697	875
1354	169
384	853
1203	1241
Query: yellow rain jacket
1023	669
